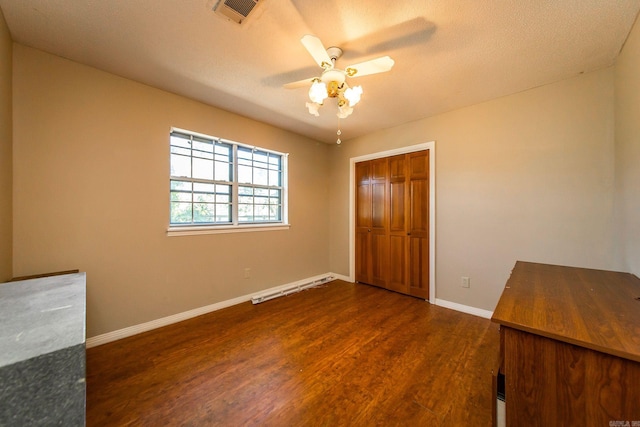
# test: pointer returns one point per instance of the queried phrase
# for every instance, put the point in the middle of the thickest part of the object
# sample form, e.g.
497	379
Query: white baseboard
464	308
341	277
158	323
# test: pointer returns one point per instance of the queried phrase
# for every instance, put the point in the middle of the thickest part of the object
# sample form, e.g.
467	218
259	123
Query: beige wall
628	152
91	192
6	190
524	177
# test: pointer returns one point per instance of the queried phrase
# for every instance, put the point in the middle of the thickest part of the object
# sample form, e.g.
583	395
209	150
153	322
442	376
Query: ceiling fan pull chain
339	133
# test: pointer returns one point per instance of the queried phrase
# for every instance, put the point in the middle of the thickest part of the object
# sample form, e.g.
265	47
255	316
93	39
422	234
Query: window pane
180	165
274	213
261	213
204	197
223	171
180	140
223	189
245	213
274	178
260	157
223	151
203	212
177	196
182	151
202	148
226	158
204	187
202	169
244	153
247	200
260	176
245	174
180	185
223	213
274	161
181	213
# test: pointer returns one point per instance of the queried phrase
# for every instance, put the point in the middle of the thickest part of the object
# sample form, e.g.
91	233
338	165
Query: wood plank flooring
336	355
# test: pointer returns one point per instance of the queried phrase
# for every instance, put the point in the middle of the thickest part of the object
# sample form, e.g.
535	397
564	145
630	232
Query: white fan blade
317	50
378	65
299	83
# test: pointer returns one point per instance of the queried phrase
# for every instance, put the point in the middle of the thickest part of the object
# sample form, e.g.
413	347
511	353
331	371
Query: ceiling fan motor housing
334	53
333	76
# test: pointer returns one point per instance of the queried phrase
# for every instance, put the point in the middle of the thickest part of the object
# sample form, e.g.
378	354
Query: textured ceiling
448	54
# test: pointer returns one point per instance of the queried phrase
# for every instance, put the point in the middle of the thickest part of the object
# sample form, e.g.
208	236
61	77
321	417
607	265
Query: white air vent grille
235	10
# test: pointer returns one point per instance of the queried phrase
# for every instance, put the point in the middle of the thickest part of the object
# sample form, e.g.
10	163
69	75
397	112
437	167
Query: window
216	183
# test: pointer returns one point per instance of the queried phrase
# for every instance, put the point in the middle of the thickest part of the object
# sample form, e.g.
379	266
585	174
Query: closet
392	223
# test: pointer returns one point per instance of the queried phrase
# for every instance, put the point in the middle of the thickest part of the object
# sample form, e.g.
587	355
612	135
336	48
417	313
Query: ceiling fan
332	82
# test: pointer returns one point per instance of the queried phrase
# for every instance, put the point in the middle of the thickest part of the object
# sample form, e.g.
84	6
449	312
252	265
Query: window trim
236	227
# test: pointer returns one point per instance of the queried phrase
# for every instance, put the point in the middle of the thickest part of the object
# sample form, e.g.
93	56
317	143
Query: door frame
431	146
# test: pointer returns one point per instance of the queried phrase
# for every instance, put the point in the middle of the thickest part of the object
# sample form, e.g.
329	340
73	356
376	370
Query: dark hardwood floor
336	355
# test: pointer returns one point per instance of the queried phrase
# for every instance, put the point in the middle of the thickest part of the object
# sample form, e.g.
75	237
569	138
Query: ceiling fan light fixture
318	92
353	95
313	108
344	110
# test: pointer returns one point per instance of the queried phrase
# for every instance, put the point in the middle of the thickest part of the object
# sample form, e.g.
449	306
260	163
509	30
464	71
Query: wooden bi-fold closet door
392	223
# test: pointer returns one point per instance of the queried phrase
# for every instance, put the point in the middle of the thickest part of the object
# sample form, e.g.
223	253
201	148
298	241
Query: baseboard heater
290	289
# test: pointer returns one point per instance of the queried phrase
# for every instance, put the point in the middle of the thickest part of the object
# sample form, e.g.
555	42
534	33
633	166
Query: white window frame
235	226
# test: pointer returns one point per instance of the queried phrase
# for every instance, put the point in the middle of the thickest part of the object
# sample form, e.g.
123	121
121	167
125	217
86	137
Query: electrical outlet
465	282
247	273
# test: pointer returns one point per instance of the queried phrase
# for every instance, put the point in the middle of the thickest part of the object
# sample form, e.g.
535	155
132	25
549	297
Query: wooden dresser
570	346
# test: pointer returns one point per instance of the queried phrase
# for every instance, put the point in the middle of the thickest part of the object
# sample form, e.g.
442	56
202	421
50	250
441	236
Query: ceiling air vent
235	10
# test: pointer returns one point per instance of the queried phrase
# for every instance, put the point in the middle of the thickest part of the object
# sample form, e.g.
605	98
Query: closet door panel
363	223
419	215
362	258
397	264
379	254
419	267
378	205
398	195
419	224
363	195
379	240
397	212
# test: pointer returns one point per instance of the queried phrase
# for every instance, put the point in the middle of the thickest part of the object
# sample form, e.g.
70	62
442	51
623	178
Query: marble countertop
40	316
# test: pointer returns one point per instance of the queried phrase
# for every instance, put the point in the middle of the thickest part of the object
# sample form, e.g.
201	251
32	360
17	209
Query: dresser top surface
40	316
596	309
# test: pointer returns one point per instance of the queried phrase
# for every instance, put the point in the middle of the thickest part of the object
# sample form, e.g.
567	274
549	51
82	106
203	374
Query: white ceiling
448	54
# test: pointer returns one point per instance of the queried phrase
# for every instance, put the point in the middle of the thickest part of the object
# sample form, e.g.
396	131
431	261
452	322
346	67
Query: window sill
224	229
